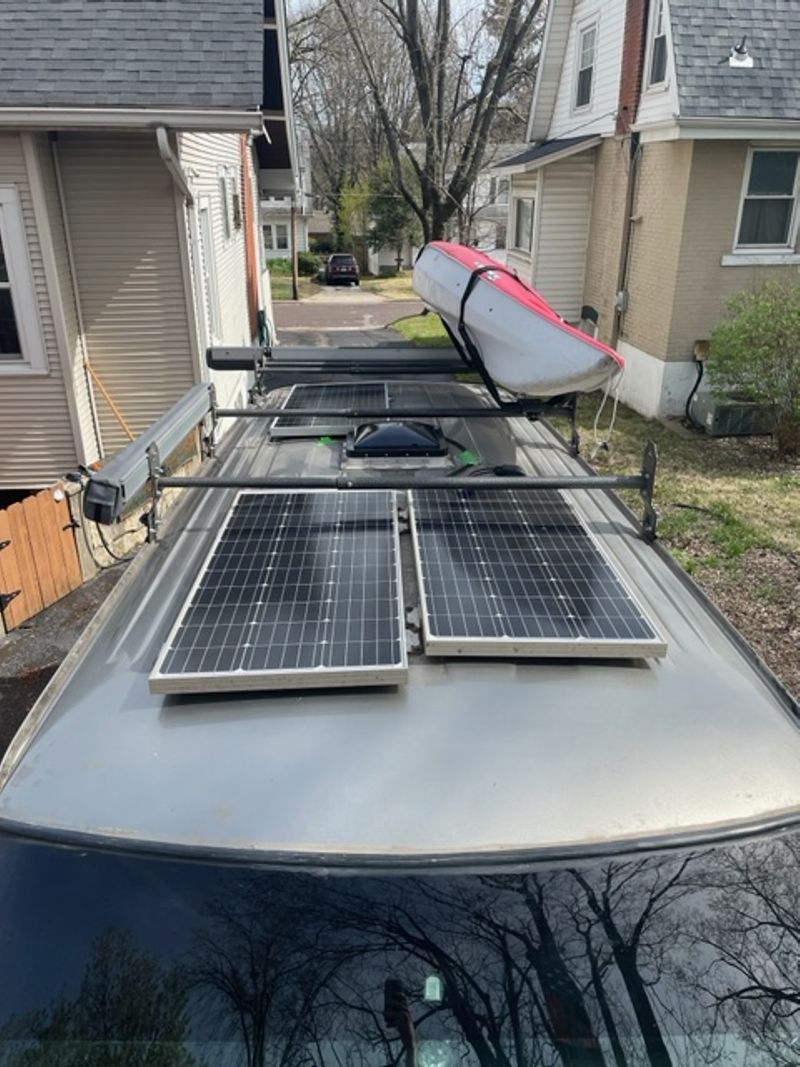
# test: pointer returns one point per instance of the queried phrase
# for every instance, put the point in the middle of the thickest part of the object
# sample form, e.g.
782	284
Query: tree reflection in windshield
662	960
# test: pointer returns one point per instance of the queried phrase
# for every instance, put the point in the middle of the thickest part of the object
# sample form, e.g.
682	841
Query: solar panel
299	590
517	573
371	395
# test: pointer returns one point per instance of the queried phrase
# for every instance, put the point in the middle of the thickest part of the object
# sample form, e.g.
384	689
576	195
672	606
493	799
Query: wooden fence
39	560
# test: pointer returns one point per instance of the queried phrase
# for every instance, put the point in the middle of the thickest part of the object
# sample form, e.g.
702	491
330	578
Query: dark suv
341	267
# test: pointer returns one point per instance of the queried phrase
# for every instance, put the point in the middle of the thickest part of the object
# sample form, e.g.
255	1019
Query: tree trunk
625	958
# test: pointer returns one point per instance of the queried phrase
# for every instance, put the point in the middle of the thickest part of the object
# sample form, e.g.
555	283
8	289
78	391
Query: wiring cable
604	445
690	417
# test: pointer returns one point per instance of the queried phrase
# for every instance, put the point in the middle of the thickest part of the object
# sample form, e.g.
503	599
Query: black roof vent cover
396	439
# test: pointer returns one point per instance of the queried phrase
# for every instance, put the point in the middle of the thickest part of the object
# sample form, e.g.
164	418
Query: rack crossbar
506	412
403	481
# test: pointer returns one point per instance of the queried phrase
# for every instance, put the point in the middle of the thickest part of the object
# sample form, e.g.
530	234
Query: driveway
342	308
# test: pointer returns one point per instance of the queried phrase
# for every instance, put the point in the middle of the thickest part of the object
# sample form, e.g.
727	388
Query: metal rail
508	412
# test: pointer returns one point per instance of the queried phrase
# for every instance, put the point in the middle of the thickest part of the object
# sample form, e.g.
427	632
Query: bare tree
462	70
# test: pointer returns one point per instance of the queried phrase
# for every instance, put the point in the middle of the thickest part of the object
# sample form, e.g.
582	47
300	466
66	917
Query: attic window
658	46
587	48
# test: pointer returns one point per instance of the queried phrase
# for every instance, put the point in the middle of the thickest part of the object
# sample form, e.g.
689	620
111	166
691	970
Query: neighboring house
663	176
128	213
284	214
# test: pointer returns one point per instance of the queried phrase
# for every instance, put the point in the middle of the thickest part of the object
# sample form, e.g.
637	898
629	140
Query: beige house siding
612	160
36	438
656	245
703	285
202	156
90	443
122	220
562	233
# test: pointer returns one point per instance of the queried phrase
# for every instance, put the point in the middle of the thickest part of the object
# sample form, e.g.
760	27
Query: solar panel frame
499	644
348	675
368	395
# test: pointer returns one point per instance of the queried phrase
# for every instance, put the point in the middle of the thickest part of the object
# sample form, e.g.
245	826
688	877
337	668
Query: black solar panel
301	589
370	395
516	572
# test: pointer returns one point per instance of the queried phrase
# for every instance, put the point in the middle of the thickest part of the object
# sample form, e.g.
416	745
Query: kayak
523	342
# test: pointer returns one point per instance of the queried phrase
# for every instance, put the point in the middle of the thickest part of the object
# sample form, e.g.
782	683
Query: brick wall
657	245
612	160
633	49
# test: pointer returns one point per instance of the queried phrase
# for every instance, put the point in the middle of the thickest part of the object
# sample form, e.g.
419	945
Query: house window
21	346
523	223
587	47
230	200
276	237
769	200
658	46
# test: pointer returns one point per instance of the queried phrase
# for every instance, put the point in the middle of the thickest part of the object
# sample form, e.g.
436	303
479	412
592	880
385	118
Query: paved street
342	308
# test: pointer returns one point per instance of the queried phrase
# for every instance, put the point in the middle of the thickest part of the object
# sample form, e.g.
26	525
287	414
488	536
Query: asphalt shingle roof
131	53
543	150
703	32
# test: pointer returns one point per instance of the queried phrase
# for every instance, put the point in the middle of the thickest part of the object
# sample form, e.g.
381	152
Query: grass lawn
423	330
398	288
282	287
729	511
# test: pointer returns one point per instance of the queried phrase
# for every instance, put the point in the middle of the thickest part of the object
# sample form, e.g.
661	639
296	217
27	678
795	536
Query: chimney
633	60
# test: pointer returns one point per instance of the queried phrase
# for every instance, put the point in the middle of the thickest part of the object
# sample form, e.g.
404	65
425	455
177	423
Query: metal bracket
6	598
155	472
210	439
648	475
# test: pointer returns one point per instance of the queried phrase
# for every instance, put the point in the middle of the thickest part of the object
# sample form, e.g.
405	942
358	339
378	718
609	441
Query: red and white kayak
526	346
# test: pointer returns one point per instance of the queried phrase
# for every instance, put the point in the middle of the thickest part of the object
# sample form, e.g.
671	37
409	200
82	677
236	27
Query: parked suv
341	268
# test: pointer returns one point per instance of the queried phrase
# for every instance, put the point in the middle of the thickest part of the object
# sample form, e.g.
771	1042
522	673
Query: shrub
279	266
308	264
756	351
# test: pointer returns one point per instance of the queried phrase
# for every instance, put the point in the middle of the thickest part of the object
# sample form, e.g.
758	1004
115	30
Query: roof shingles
703	34
131	53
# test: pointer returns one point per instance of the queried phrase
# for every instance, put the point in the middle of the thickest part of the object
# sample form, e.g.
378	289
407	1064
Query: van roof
470	757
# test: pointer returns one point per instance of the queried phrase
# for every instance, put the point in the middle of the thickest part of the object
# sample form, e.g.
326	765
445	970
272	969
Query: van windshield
665	959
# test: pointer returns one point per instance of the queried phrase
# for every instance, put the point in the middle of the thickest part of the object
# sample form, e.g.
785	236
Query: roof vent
396	439
740	57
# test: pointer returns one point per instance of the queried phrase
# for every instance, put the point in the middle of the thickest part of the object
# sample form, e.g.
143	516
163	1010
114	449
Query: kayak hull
526	347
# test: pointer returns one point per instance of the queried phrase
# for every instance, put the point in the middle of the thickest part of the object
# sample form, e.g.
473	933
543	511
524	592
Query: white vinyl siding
122	220
599	115
564	208
36	439
206	157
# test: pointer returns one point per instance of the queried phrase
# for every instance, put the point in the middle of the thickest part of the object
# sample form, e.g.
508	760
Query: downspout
173	166
76	299
627	234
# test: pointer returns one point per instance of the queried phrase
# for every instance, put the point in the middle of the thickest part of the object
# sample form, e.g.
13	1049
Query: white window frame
591	23
206	270
23	291
514	247
657	8
230	198
273	228
754	250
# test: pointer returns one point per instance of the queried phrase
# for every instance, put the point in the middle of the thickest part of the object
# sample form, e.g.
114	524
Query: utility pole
293	227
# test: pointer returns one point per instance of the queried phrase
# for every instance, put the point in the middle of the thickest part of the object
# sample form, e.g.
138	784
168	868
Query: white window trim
272	226
663	85
23	291
512	245
762	251
227	183
205	258
591	22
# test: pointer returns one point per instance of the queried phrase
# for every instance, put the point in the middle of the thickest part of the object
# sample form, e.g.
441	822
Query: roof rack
110	489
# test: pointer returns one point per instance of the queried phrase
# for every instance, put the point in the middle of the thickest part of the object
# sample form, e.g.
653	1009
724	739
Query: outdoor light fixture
740	57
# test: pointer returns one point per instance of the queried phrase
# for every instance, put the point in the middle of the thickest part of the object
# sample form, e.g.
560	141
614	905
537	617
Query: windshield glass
670	959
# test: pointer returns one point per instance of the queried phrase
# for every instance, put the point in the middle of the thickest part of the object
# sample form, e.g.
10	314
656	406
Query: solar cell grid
300	589
502	571
371	395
